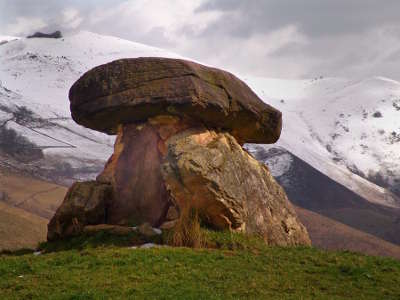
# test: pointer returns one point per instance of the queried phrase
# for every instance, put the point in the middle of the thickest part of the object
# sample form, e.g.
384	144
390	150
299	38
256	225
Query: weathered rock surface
134	170
133	90
180	127
85	204
211	173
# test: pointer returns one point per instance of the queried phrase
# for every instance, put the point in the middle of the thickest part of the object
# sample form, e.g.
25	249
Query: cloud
278	38
160	23
340	38
23	25
66	14
312	17
71	18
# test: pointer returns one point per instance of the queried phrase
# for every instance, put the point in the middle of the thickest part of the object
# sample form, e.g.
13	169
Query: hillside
310	189
20	229
328	234
26	206
345	128
250	271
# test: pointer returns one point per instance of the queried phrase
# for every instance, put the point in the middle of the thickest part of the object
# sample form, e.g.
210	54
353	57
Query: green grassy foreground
103	267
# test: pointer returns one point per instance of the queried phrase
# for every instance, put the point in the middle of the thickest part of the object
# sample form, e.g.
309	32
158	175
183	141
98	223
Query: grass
100	239
240	267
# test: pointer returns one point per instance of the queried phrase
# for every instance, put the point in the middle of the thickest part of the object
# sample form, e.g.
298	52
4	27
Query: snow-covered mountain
346	129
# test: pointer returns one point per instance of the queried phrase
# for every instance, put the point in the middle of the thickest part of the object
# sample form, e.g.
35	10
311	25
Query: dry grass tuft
187	231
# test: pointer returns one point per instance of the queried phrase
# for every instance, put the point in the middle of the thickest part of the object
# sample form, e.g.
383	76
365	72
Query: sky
273	38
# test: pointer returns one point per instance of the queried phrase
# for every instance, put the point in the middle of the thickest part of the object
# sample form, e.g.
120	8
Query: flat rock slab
133	90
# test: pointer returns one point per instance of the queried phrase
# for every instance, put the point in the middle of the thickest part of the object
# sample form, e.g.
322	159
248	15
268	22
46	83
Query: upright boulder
210	172
180	126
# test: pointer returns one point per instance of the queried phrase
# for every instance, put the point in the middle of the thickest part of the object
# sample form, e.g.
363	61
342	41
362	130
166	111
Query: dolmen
180	128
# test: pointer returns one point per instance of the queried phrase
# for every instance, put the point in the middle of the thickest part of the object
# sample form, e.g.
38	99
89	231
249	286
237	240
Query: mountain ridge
33	68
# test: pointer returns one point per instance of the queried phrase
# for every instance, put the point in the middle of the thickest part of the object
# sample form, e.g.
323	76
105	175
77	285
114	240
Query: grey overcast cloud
274	38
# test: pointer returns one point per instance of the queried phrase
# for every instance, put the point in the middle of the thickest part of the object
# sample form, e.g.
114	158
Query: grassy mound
104	267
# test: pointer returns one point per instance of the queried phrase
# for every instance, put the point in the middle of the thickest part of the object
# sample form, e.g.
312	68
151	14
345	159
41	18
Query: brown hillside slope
331	235
19	228
33	195
310	189
26	205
